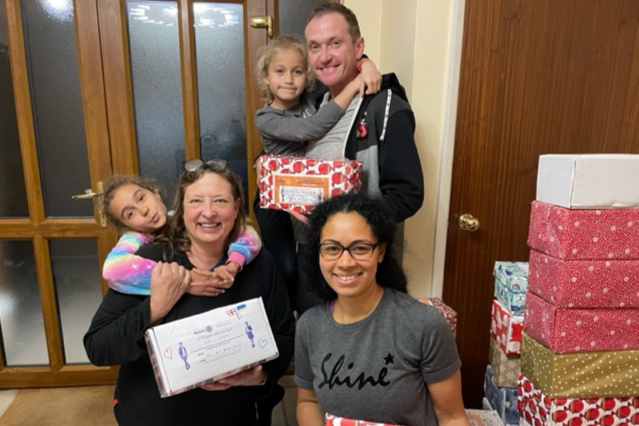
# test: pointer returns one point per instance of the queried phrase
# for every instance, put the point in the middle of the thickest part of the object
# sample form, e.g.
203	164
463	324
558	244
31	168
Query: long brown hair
179	239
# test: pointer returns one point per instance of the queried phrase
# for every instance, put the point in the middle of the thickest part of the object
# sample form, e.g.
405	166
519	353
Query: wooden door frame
38	227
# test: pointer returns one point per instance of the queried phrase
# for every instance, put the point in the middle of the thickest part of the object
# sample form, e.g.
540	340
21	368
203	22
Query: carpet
75	406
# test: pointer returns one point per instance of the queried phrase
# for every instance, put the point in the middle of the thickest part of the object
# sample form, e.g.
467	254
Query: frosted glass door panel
219	43
13	198
21	319
76	277
157	92
293	15
52	61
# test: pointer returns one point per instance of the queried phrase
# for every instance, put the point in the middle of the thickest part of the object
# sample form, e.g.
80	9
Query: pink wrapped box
331	420
581	330
584	234
506	329
448	312
584	283
299	183
537	409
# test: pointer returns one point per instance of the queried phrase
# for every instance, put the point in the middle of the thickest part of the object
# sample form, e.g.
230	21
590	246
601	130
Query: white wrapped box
589	181
207	347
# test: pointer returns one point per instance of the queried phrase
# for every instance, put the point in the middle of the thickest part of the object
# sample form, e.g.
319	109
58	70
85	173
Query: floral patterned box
580	374
448	312
299	183
505	368
567	234
511	282
503	400
538	409
584	283
483	418
506	328
581	330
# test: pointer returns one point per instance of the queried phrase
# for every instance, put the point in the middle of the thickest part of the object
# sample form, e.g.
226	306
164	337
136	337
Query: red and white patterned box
506	329
584	234
581	330
332	420
299	183
584	283
537	409
448	312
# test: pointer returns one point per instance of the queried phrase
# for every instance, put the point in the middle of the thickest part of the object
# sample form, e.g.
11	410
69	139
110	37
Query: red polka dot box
537	409
299	183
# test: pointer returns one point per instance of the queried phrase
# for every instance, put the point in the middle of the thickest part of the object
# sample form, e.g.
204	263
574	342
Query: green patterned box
580	374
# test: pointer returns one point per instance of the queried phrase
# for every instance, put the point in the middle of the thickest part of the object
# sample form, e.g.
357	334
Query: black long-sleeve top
116	336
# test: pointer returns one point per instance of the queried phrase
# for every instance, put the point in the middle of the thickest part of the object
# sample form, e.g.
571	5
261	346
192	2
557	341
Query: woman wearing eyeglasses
208	215
370	352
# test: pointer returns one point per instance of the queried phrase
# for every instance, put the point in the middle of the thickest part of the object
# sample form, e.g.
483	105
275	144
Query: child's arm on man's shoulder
124	271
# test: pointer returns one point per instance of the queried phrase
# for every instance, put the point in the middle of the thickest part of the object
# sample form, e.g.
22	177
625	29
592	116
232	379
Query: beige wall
420	40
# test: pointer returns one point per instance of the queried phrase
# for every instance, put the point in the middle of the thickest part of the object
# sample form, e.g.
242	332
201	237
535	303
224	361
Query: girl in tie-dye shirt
134	205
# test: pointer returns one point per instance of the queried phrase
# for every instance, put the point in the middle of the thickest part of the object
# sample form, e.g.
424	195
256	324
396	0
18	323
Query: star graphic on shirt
389	359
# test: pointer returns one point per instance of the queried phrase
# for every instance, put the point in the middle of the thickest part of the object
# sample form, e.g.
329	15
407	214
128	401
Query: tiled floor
6	398
283	415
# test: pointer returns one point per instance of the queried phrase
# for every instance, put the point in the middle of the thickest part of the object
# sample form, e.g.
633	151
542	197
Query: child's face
286	78
139	209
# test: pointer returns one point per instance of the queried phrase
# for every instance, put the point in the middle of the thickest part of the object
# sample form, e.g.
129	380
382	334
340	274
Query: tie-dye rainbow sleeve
126	272
246	247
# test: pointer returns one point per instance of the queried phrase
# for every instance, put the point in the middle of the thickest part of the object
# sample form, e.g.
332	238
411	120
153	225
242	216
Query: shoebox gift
580	374
607	234
581	330
537	408
589	284
300	183
505	368
501	399
506	328
331	420
587	181
483	418
207	347
448	312
511	282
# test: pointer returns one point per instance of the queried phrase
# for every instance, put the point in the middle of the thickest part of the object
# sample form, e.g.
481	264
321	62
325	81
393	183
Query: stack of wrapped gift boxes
580	346
500	382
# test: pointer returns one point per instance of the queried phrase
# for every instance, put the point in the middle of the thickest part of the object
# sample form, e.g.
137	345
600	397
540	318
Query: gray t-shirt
376	369
285	131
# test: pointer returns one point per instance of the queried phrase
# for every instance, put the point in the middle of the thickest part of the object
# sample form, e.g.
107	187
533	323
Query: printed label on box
204	348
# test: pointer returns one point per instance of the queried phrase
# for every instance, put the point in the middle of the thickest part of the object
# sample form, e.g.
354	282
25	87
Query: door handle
98	194
263	21
468	222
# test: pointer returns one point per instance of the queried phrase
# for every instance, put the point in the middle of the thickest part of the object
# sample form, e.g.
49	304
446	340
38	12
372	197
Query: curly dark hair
179	240
380	219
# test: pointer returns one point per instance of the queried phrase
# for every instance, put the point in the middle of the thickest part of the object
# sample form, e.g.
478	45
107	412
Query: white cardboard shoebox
207	347
589	181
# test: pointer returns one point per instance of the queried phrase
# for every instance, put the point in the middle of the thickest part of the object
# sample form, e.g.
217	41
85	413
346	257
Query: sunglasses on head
196	164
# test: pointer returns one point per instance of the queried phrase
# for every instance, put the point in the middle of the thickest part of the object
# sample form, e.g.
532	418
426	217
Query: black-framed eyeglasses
217	164
358	250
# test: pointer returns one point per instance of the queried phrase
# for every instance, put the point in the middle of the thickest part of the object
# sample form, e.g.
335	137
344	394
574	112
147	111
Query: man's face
332	52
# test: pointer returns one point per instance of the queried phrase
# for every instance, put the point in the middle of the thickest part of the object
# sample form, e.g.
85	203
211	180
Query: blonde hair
274	47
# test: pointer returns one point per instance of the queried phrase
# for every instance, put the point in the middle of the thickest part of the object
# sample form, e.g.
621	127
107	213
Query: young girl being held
289	119
134	206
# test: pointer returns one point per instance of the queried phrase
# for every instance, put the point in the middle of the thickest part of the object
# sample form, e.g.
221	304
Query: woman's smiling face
346	276
209	210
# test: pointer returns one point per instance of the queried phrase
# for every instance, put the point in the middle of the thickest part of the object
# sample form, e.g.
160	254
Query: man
376	129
